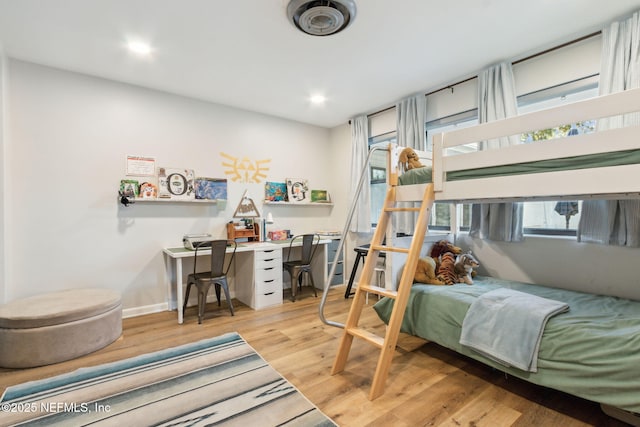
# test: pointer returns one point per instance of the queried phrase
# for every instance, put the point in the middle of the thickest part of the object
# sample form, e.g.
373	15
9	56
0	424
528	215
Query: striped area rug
218	381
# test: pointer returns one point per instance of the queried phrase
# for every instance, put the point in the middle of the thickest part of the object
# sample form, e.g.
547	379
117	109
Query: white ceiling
244	53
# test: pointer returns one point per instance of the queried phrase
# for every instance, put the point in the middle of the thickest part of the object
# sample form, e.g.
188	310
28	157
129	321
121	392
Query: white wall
560	262
3	178
67	138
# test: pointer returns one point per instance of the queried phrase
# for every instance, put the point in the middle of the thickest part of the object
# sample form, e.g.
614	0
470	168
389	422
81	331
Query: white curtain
411	116
361	222
497	100
616	222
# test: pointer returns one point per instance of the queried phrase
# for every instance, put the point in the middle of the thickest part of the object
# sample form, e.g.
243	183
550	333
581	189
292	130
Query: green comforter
592	351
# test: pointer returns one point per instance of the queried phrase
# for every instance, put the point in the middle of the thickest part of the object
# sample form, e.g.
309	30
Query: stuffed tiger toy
442	247
446	271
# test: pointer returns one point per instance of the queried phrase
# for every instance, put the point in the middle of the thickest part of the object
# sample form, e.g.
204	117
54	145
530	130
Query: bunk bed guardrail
552	169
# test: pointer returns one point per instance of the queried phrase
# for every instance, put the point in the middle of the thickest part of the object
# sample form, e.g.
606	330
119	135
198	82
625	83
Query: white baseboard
146	309
156	308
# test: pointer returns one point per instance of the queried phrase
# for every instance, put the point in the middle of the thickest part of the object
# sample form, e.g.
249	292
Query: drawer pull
270	293
270	259
268	268
270	250
269	281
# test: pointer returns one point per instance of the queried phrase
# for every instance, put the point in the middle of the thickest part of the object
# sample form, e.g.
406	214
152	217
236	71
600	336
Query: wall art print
298	190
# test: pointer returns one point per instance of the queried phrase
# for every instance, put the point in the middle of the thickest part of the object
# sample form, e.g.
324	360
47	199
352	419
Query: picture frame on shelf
298	190
211	188
129	188
320	196
176	183
275	191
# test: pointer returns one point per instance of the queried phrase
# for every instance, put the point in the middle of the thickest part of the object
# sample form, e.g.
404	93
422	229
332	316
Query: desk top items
247	229
193	241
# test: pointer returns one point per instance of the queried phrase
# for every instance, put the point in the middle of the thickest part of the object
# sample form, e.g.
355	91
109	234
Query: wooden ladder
387	344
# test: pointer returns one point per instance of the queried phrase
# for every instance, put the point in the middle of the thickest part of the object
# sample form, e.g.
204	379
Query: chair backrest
309	246
218	253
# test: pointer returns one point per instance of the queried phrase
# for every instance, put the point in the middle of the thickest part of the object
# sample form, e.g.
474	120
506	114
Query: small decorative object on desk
298	190
320	196
275	192
278	235
211	188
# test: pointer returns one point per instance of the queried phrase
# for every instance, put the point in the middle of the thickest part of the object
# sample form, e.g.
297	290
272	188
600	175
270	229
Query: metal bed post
345	230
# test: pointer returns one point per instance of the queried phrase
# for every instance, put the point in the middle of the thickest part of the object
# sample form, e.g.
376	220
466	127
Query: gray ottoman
58	326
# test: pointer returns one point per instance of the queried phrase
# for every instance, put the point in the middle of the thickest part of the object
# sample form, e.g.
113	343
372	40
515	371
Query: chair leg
218	293
313	285
294	286
203	289
225	288
186	297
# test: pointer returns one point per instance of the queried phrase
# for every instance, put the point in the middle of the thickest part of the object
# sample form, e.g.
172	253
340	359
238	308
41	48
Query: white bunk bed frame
600	182
606	182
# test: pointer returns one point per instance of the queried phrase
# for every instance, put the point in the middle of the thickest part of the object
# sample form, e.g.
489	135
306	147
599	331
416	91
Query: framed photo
320	196
211	188
378	175
176	183
275	191
298	190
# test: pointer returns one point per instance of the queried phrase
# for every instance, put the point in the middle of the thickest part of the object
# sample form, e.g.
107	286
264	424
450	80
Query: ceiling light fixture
321	17
139	48
318	99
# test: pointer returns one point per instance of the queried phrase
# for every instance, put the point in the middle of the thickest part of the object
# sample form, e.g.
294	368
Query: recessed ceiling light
139	48
318	99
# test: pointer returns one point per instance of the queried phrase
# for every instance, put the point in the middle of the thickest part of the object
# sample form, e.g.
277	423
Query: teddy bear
426	272
409	159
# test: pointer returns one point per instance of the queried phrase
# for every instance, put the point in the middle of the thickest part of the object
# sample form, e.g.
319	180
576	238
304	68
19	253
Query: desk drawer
268	299
264	264
268	274
268	254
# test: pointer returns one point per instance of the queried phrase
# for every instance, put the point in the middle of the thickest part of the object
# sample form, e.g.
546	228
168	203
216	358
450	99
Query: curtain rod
588	36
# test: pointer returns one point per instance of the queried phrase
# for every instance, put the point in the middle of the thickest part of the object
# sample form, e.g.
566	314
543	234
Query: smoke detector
321	17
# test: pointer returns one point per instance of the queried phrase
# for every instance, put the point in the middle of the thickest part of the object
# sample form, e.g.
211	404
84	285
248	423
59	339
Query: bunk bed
593	349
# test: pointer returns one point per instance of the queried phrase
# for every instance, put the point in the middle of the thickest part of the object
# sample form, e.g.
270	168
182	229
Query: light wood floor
427	386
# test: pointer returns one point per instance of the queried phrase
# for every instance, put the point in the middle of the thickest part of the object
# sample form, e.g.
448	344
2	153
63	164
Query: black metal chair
217	276
301	269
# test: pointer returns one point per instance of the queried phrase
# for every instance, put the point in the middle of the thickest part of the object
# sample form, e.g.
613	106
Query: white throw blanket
507	326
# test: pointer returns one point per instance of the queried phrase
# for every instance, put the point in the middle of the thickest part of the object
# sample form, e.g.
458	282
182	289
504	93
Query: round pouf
58	326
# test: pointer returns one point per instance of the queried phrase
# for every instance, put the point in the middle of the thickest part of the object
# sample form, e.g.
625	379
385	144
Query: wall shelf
161	201
202	201
297	204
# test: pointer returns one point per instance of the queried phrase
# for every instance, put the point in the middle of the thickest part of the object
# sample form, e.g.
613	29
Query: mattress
592	351
617	158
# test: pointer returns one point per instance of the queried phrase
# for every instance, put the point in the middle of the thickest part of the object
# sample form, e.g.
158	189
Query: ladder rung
377	290
402	209
367	336
389	249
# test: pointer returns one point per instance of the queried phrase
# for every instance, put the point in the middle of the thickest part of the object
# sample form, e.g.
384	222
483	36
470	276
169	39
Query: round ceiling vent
321	18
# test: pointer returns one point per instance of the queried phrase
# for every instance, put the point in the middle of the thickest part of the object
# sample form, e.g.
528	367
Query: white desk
174	256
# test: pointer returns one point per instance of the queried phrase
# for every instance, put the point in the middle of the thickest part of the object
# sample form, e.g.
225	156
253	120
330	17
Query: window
556	217
441	216
378	174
